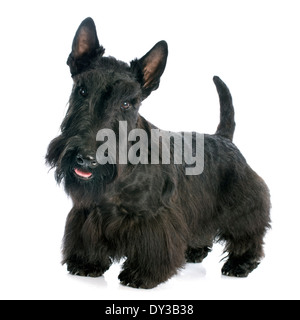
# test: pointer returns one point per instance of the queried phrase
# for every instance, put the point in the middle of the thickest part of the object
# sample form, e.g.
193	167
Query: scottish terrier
158	199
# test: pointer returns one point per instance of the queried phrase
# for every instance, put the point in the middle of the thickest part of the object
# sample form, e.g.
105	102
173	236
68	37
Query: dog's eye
125	105
83	91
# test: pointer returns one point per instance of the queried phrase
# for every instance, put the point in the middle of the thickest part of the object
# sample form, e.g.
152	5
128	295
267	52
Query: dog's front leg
81	244
156	250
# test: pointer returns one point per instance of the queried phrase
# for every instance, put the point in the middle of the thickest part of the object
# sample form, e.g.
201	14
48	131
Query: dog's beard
81	184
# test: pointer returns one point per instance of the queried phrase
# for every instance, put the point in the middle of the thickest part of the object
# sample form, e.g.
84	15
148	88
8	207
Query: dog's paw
236	268
196	255
86	269
132	279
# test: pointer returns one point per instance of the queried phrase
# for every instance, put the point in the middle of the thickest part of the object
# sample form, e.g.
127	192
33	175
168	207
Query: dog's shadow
90	281
192	271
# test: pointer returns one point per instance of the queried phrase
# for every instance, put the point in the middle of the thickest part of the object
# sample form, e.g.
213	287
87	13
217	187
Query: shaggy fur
156	216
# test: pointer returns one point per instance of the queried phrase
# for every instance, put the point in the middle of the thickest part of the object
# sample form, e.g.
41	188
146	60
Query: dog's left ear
150	67
85	47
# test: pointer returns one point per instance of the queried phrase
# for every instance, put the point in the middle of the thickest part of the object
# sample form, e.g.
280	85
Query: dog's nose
86	161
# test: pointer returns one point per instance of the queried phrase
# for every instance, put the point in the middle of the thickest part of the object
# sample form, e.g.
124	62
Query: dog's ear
150	67
85	47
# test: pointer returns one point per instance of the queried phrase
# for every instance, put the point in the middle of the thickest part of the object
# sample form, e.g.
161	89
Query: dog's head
105	92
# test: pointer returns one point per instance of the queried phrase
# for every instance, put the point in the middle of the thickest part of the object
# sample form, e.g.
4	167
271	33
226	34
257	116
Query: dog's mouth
86	175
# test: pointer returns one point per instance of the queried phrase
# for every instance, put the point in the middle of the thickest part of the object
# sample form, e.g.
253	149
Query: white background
252	45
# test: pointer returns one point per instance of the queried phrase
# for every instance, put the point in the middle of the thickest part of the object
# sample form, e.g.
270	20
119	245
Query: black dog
158	215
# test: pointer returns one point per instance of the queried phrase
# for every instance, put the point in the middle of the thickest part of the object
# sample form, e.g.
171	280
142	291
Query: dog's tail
227	125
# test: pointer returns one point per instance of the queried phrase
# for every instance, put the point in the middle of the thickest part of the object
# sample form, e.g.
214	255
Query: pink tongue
82	173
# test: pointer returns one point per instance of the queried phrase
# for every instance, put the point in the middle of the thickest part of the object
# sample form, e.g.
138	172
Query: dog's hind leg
242	261
244	242
243	230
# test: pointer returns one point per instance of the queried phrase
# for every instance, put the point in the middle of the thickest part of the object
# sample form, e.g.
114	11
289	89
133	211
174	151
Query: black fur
154	215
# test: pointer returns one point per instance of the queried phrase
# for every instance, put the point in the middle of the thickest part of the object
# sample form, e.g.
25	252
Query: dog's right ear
85	47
